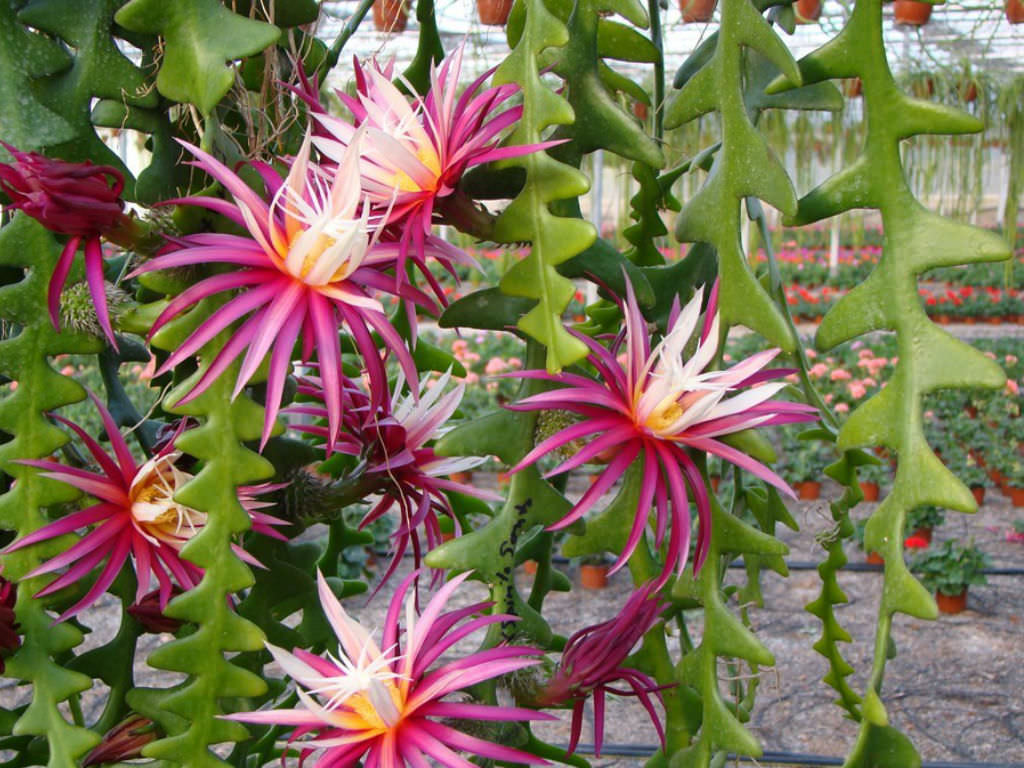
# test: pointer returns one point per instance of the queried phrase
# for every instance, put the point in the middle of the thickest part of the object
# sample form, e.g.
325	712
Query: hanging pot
494	13
697	11
969	91
911	12
853	87
390	15
1014	11
807	11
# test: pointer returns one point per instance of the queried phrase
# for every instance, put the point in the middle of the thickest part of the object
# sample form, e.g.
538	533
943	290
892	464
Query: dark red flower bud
123	742
148	613
80	200
10	640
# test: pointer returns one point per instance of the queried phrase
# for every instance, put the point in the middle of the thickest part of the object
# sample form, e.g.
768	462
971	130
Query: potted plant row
948	570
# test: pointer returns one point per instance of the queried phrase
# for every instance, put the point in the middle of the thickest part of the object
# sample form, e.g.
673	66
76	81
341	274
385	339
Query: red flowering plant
304	313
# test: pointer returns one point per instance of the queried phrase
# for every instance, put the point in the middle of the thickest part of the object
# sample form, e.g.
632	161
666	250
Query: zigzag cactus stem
915	240
24	358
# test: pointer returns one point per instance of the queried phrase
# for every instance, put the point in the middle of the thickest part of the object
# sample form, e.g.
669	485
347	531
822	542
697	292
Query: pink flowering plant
272	339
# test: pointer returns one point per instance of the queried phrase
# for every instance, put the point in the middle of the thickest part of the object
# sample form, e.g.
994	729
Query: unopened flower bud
10	640
148	613
123	742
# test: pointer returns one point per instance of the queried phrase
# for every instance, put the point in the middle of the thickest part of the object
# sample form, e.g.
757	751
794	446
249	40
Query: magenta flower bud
80	200
149	613
593	659
122	742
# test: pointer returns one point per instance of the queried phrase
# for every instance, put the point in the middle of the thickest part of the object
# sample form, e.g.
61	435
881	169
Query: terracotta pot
943	319
390	15
911	12
995	320
873	558
970	320
971	410
809	490
969	91
924	533
716	480
504	478
447	536
1014	11
870	491
951	603
594	576
807	11
640	110
530	566
853	87
979	494
1016	495
465	478
697	11
494	13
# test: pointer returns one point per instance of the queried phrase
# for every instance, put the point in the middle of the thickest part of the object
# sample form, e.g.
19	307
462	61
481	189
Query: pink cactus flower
857	389
593	659
840	374
393	443
80	200
415	153
308	267
654	406
136	515
384	704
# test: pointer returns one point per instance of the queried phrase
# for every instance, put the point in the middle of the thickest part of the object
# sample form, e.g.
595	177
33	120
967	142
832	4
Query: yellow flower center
664	416
156	514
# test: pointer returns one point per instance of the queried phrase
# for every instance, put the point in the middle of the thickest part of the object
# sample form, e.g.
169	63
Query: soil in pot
808	490
951	603
870	491
594	576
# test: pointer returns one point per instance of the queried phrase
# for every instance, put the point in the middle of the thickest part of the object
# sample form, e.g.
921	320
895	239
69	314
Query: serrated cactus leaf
24	357
25	121
916	240
201	37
